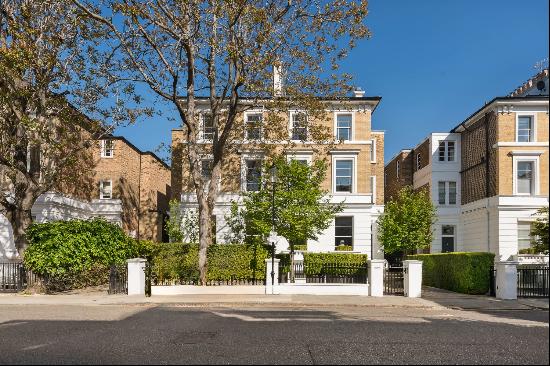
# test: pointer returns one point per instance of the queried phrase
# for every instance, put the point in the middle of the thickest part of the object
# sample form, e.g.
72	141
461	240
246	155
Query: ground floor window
343	231
447	238
524	235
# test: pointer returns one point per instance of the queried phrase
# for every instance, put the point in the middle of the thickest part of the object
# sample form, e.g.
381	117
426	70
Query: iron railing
118	279
533	281
394	281
326	273
14	277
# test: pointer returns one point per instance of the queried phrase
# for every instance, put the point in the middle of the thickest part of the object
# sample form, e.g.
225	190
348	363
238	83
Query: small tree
406	224
539	231
302	207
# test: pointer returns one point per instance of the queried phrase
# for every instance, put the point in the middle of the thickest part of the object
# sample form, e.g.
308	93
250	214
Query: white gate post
136	276
271	288
412	278
376	277
507	280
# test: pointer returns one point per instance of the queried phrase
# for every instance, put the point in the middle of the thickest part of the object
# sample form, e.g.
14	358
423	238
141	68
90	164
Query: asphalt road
256	335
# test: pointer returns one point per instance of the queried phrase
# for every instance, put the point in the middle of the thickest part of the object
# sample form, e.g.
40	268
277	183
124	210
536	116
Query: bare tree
224	52
49	71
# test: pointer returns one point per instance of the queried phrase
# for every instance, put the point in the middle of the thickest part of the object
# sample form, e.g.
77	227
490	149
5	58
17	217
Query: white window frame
101	189
535	183
352	128
291	124
202	129
352	229
447	187
299	156
533	126
373	188
244	167
104	148
446	152
524	222
253	112
353	158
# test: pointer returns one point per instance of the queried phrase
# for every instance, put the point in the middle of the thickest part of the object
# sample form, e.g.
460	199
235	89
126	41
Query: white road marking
247	318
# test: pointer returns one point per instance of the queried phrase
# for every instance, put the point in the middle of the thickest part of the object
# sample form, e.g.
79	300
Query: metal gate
118	279
394	281
12	277
533	281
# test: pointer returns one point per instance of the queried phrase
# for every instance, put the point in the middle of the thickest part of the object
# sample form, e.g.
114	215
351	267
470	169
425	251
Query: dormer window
107	148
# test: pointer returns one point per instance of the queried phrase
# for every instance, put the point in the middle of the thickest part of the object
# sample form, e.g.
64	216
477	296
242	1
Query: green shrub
344	248
77	253
466	273
177	262
314	262
300	247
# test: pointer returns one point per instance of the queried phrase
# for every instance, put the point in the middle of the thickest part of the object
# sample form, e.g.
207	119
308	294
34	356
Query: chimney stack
277	79
358	93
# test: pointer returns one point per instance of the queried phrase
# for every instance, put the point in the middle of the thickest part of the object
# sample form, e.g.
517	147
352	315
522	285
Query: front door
448	244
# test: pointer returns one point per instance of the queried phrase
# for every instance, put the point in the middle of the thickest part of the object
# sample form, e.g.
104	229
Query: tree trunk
205	238
20	219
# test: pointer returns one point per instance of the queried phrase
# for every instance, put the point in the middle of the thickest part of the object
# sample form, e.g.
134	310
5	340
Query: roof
528	98
150	153
375	100
530	83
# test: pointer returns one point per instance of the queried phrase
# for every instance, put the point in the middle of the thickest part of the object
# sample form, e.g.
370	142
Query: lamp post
273	171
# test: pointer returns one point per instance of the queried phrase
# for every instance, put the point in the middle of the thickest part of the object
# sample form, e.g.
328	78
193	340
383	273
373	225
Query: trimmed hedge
177	262
314	261
467	273
344	248
77	253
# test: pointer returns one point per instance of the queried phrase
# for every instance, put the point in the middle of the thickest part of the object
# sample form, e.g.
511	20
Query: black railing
394	281
118	279
533	281
12	277
326	273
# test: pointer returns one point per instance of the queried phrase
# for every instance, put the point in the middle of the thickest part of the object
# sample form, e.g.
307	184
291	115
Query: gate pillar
412	278
376	277
507	280
136	276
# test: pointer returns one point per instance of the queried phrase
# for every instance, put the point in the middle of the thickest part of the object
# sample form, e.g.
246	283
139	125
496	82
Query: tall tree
47	58
406	224
225	51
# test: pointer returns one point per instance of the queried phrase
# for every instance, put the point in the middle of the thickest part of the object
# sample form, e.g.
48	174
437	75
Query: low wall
207	290
322	289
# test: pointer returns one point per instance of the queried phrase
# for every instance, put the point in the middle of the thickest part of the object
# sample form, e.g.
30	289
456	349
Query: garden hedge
78	253
178	263
314	262
466	273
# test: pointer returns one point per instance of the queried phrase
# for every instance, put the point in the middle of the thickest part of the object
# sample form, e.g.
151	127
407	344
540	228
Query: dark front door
447	244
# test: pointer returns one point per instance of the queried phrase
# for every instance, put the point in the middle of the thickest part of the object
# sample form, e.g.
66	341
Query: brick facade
394	182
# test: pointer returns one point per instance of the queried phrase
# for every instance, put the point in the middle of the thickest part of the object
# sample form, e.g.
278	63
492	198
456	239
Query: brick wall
394	183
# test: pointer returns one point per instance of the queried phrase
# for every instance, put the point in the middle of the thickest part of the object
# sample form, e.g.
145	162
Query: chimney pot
358	93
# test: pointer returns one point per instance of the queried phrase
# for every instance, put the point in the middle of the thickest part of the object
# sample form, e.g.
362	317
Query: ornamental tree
406	224
539	231
225	52
302	208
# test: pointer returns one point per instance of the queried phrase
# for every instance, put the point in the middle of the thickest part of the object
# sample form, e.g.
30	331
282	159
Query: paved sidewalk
219	300
455	300
432	298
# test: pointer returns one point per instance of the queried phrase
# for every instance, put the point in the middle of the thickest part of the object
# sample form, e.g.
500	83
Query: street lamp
273	234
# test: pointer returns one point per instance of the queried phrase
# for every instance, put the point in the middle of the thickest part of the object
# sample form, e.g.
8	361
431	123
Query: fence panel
533	281
328	273
394	281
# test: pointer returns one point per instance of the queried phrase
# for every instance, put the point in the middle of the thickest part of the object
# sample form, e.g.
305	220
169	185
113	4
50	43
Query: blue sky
432	62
